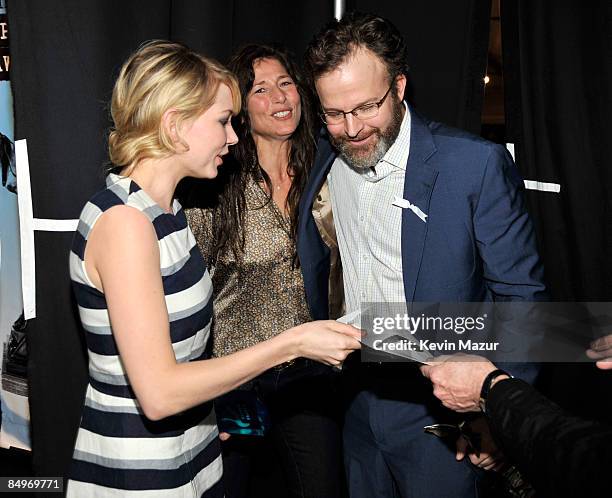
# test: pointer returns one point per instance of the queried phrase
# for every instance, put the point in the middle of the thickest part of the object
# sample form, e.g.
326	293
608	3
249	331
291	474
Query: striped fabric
119	452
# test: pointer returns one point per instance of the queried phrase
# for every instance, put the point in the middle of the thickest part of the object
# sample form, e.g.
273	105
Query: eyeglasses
365	111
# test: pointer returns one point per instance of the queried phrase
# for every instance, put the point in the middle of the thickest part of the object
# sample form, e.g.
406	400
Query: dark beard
384	141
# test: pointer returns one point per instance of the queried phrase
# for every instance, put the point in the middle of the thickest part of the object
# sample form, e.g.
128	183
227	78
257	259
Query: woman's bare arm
122	259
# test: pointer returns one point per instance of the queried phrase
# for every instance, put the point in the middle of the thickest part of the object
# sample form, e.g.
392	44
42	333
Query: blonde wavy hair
161	75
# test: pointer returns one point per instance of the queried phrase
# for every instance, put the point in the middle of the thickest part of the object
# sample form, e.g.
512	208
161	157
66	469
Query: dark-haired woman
249	242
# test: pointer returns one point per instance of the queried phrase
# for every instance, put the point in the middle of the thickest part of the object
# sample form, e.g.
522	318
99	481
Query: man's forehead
364	57
358	79
360	63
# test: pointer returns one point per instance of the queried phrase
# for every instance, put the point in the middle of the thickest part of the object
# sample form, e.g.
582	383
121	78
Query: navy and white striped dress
119	452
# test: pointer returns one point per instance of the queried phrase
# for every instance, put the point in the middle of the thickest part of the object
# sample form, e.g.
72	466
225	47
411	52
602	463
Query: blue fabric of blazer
478	243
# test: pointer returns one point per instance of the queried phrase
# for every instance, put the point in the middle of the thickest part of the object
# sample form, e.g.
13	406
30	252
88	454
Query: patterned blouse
262	295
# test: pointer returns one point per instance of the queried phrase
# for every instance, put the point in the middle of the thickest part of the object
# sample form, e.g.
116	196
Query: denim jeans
301	455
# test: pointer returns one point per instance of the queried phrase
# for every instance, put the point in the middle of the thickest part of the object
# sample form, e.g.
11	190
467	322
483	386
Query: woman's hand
326	341
601	350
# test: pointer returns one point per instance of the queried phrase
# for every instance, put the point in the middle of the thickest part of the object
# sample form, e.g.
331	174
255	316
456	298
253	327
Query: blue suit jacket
478	243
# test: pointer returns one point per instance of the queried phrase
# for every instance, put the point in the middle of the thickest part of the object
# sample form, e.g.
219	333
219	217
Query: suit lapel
311	249
418	186
419	181
323	161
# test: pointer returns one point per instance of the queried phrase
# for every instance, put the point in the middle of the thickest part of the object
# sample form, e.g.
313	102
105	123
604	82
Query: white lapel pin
404	204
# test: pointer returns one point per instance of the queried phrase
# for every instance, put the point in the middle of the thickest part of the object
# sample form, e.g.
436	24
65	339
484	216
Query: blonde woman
148	427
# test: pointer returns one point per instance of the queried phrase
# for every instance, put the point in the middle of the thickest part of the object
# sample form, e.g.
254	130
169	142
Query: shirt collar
397	155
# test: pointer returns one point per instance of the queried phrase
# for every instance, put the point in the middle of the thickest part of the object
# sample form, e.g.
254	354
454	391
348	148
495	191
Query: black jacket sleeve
559	454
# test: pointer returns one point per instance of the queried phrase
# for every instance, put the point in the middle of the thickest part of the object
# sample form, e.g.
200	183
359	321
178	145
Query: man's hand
490	457
601	350
457	380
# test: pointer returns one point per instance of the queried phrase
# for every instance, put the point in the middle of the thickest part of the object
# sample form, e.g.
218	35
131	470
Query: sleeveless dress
118	451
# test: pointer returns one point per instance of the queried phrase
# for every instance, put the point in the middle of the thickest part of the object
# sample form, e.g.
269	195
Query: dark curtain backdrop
558	87
65	56
229	24
558	74
447	52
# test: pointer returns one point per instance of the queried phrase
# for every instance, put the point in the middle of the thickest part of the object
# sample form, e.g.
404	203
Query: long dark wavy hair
228	217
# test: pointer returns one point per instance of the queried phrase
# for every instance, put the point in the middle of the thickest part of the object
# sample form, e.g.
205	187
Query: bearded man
421	213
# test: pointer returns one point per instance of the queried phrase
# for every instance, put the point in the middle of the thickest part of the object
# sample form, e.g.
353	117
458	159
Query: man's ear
400	86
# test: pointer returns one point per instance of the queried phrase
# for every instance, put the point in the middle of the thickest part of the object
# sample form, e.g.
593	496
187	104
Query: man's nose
352	125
